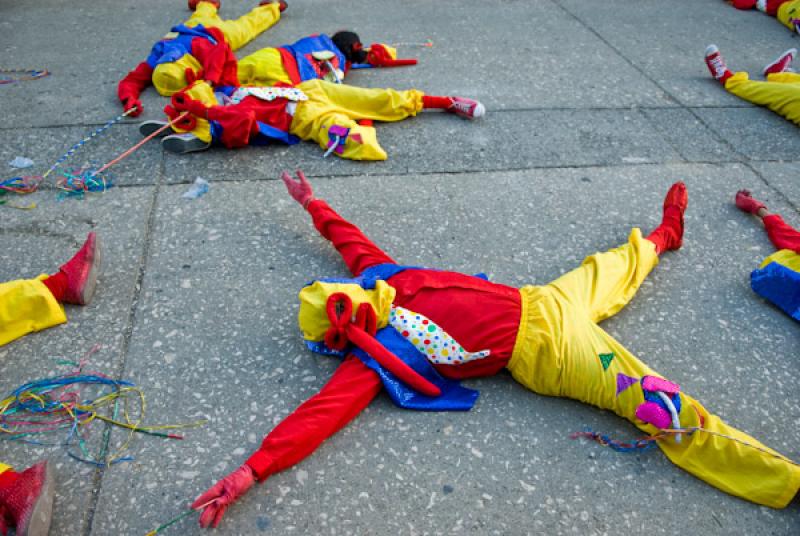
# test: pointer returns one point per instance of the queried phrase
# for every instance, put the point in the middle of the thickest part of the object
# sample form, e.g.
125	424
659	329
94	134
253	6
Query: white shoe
184	143
468	108
148	127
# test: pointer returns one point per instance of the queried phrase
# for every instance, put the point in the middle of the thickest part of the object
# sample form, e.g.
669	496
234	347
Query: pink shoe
716	64
782	64
27	503
81	272
468	108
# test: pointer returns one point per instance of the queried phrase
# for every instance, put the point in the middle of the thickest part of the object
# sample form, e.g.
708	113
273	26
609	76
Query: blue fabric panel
169	50
301	48
454	396
779	285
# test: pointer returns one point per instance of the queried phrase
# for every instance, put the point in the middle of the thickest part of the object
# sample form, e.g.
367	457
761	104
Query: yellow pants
788	11
263	68
331	104
27	306
170	77
237	32
558	350
780	93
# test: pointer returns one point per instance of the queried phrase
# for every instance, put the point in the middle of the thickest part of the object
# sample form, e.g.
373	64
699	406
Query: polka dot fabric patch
431	340
268	94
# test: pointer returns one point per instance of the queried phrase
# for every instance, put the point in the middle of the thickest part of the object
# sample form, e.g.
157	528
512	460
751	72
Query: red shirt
478	314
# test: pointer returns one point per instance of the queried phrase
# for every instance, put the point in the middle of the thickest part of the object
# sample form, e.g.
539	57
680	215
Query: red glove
300	191
216	500
379	57
183	102
132	85
132	102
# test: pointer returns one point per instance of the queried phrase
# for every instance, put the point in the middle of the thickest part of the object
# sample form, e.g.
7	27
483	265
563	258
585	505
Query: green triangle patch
606	359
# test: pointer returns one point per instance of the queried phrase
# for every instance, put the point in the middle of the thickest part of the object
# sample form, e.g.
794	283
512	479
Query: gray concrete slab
783	177
46	145
237	257
745	130
435	141
667	44
592	114
691	137
39	241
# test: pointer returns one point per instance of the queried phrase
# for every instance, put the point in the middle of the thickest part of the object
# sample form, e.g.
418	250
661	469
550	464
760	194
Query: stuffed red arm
132	85
358	251
351	388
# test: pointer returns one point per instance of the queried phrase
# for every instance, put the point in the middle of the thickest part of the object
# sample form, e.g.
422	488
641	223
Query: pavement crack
126	340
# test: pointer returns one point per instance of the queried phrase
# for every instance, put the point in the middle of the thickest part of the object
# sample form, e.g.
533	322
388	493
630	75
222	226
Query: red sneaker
677	196
716	64
282	3
81	272
27	503
193	3
747	203
782	64
469	108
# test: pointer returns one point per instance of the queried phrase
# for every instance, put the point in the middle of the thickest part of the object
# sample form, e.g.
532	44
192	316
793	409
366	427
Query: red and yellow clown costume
314	110
200	48
312	57
547	336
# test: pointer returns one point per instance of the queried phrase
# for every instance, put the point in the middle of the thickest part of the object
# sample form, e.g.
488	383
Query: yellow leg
341	105
27	306
780	97
241	31
262	68
561	351
4	468
606	282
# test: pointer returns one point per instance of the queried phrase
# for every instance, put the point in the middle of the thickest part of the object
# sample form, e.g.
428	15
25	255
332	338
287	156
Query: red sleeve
358	251
781	234
351	388
135	82
219	63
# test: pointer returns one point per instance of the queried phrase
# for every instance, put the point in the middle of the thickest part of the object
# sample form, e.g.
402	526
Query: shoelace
461	106
718	64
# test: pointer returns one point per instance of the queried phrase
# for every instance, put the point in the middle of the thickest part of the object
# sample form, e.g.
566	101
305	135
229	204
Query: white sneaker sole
181	145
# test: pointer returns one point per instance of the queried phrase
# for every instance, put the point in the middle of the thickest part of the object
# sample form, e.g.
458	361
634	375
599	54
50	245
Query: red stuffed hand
216	500
301	190
379	57
132	103
183	102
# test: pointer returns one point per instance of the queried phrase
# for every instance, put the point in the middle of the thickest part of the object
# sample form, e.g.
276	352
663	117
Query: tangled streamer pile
78	181
72	404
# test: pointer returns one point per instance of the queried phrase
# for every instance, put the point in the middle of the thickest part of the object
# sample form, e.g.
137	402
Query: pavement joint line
654	125
631	107
683	162
652	80
769	185
127	337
